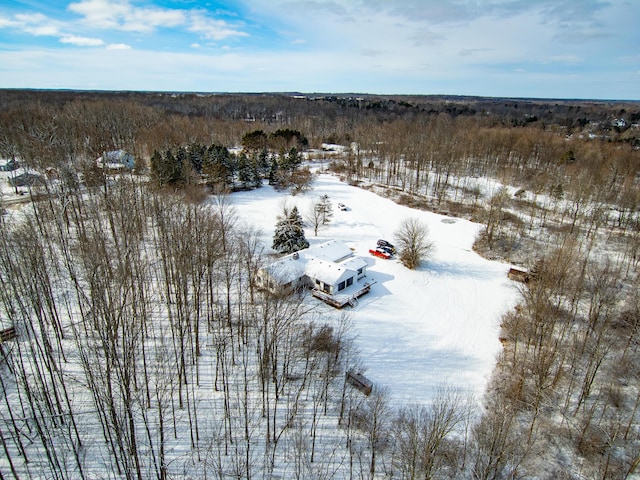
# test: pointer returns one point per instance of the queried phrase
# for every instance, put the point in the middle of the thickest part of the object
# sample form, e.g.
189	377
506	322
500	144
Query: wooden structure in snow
8	334
359	381
518	275
340	301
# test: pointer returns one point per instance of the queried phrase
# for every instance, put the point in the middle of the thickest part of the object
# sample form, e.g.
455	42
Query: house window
360	270
341	286
349	281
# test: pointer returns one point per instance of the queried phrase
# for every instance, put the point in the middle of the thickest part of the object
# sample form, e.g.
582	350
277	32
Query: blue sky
514	48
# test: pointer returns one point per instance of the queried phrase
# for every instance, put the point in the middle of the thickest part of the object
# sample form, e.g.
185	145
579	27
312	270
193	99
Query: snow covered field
416	331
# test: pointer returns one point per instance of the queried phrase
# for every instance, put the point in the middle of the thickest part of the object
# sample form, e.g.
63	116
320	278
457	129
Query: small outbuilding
519	275
359	382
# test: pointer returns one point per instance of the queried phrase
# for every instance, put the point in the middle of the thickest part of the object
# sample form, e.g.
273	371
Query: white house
330	267
116	160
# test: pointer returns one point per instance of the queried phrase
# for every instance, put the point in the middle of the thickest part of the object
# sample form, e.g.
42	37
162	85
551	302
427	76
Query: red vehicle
380	253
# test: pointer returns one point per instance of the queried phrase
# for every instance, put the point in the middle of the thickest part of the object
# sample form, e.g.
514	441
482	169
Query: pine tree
291	160
245	172
219	166
166	169
289	234
264	163
197	153
273	173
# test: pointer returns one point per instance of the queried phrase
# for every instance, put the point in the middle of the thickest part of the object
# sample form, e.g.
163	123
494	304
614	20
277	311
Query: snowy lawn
416	331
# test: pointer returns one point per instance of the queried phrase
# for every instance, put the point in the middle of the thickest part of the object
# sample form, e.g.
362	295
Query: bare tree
412	238
497	203
314	217
319	213
497	449
425	437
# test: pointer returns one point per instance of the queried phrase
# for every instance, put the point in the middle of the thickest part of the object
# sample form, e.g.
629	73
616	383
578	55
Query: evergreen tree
219	166
273	173
291	160
166	169
197	153
264	164
156	166
254	140
247	172
285	138
256	172
289	234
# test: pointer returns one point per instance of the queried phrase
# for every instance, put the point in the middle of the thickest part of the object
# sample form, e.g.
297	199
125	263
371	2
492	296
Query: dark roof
26	180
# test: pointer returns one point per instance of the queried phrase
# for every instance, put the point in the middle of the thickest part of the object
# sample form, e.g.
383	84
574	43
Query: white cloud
336	8
118	46
5	22
121	15
37	24
211	28
81	41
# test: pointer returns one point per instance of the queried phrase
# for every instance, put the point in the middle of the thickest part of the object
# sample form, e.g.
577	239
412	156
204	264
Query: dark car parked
386	245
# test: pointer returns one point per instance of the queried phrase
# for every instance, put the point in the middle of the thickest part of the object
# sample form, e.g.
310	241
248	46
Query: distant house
116	160
26	180
330	267
9	166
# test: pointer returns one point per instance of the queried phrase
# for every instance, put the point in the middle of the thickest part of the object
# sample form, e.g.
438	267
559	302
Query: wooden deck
339	301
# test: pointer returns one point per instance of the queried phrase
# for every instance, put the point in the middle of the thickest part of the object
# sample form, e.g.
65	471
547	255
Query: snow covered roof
116	159
330	262
332	251
354	263
328	272
26	179
116	156
286	269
